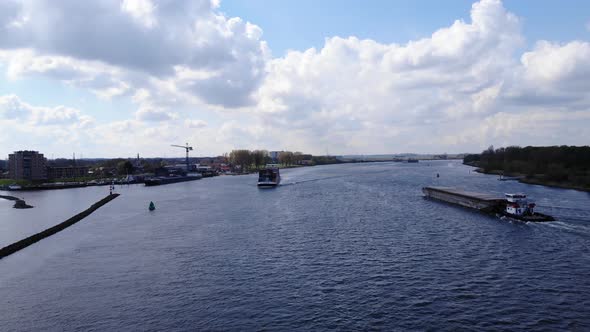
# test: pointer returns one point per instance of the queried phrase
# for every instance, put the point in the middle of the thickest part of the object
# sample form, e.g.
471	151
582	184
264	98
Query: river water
345	247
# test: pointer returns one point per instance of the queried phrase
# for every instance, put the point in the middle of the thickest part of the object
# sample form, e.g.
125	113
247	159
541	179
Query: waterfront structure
304	159
3	165
27	165
274	155
67	172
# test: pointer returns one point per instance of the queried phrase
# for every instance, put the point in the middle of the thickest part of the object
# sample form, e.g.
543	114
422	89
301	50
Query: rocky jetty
21	204
18	202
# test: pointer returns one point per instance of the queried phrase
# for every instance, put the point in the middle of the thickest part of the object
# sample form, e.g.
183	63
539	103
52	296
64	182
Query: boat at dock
269	177
161	180
514	206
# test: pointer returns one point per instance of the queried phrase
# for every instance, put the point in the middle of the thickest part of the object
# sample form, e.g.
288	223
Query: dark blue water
344	247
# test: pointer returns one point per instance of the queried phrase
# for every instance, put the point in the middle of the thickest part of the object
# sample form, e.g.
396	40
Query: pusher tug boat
519	208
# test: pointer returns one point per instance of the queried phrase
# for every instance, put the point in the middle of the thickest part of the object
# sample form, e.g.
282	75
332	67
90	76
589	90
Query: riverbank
531	179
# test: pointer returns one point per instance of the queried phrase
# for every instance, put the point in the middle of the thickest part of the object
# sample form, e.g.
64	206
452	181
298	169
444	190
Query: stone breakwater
10	198
18	203
19	245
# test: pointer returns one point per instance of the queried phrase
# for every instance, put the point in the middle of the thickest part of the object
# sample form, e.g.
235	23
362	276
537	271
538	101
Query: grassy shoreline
528	179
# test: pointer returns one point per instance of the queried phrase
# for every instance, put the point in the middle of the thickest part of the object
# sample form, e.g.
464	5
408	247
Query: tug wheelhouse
518	205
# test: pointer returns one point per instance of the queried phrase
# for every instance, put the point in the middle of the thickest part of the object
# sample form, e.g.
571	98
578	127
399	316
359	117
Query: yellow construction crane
187	148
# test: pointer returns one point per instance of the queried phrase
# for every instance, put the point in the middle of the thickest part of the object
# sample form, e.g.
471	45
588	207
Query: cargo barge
513	206
269	177
160	180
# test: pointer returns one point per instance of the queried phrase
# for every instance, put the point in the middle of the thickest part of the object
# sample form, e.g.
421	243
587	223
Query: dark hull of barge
536	217
473	200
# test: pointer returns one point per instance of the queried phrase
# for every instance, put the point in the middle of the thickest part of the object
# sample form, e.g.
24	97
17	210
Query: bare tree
286	158
242	158
258	157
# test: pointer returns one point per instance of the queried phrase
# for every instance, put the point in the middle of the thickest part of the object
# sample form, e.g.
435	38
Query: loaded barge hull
473	200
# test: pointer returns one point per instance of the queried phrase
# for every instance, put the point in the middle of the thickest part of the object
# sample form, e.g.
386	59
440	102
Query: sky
110	78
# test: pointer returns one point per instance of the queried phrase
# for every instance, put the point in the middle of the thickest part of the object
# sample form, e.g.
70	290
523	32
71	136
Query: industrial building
67	172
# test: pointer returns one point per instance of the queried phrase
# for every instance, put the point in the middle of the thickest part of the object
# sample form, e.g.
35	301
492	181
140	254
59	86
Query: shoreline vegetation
566	167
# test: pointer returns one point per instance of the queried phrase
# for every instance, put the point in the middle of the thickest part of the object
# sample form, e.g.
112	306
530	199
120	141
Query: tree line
551	163
248	160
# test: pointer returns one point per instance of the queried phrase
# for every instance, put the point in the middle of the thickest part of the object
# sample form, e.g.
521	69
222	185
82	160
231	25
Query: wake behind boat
269	177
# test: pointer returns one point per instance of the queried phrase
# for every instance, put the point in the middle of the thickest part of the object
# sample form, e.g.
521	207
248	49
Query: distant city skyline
116	78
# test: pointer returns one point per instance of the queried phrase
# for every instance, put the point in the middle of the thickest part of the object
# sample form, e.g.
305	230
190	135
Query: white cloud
56	116
25	126
551	63
360	95
141	10
141	36
531	127
154	115
103	80
195	124
463	88
13	108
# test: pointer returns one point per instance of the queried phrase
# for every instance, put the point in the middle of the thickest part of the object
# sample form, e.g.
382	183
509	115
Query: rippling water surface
346	247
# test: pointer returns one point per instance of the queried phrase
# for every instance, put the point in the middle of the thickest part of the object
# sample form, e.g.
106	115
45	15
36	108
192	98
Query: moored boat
160	180
269	177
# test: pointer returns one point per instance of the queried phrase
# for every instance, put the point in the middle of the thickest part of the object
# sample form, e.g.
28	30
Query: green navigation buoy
152	206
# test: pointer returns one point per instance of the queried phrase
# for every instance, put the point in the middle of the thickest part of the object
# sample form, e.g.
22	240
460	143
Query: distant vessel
152	206
14	187
269	177
411	160
160	180
518	207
